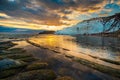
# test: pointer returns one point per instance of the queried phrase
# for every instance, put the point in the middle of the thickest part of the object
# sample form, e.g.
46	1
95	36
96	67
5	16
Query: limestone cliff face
95	25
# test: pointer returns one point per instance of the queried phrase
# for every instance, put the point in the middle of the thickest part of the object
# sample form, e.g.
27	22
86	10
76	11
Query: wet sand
62	64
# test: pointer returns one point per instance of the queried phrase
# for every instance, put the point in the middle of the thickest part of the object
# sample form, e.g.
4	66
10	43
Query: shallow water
82	47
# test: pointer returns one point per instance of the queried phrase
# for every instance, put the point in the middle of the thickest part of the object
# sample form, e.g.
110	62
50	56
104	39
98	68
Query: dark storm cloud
18	7
1	17
50	4
7	5
51	12
66	4
66	11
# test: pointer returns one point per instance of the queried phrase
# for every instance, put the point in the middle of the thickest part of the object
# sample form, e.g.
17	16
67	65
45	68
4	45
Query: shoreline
99	67
102	61
17	64
60	63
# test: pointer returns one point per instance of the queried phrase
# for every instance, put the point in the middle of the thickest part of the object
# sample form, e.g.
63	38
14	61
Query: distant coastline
47	32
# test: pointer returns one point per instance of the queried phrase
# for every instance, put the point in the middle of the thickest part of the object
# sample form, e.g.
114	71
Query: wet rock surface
64	78
17	64
9	63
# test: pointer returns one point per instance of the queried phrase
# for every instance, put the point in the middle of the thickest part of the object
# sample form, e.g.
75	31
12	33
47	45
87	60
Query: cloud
112	8
42	14
3	16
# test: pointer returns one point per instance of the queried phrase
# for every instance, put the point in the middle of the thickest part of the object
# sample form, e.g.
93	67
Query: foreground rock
14	62
10	63
37	65
64	78
10	67
36	75
6	45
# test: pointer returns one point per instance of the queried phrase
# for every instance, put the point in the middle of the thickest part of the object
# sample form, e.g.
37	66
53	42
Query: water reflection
106	47
82	46
56	42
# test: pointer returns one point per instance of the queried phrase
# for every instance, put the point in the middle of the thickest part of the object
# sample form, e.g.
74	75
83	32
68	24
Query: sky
53	14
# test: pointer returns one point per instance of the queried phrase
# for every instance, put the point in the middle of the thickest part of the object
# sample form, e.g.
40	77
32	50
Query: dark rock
10	63
36	75
37	65
8	73
65	78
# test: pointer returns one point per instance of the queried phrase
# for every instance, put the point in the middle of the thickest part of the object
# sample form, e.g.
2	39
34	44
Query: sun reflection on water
68	45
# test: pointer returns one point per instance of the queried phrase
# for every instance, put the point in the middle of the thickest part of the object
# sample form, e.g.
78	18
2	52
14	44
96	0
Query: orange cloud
4	15
48	14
